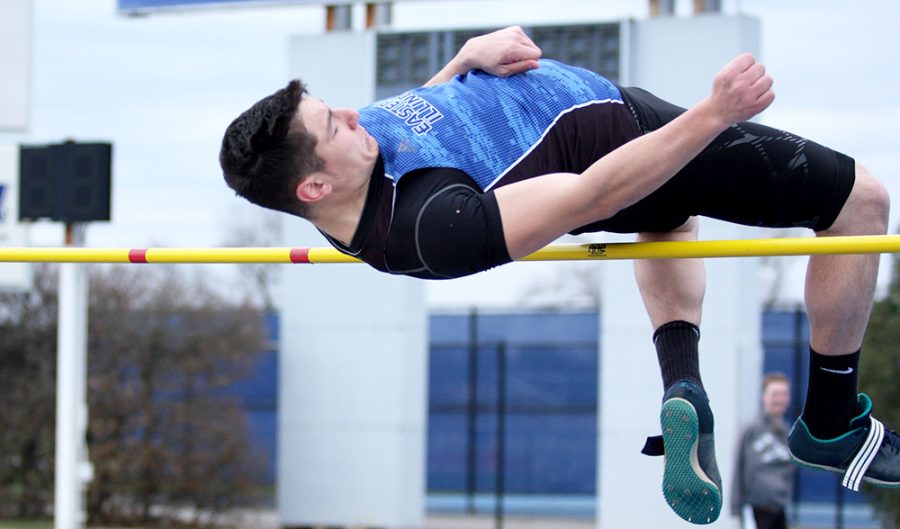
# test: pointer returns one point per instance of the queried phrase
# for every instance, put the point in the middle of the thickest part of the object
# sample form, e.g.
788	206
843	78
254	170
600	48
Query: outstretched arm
502	53
537	211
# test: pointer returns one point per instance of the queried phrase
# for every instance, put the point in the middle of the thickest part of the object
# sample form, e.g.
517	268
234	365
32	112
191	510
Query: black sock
831	397
677	348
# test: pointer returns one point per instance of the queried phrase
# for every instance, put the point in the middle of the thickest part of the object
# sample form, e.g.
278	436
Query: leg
836	431
840	288
839	292
769	518
781	520
761	518
672	290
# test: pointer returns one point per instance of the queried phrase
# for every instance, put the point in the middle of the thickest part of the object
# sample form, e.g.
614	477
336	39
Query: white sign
15	63
13	276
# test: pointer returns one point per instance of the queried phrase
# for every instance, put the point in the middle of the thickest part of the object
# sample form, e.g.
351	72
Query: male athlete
500	154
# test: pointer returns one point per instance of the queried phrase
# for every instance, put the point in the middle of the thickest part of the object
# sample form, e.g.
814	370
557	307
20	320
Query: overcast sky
163	88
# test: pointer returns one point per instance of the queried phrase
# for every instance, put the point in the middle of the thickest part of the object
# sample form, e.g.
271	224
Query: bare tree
164	433
878	376
578	284
774	271
28	396
570	285
169	442
256	228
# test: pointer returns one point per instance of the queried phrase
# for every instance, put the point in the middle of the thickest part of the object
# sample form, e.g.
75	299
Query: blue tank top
478	123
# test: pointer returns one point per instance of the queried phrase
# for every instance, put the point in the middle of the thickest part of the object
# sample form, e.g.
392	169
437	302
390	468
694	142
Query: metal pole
472	415
839	505
85	470
500	483
796	389
70	388
799	351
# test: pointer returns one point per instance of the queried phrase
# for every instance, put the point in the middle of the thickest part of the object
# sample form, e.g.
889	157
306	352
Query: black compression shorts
750	174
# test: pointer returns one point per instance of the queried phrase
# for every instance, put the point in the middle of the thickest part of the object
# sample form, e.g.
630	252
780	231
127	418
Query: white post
352	401
71	406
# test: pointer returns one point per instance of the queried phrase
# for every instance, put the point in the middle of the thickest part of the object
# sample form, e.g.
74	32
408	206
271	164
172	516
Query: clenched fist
741	90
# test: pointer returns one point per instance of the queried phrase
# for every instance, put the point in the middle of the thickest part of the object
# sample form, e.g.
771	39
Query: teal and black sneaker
691	483
867	452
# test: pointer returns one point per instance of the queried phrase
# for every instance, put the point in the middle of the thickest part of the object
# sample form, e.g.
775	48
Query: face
776	397
342	143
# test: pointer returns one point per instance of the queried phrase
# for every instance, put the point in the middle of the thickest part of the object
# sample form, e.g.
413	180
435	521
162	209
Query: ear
313	189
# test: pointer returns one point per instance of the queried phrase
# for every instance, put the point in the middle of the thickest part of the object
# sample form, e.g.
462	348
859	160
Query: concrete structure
353	356
15	64
676	58
13	276
15	104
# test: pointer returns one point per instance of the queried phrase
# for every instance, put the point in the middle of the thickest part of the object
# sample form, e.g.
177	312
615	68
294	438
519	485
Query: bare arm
502	53
537	211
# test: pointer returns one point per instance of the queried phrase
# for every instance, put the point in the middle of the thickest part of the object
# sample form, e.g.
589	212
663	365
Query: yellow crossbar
555	252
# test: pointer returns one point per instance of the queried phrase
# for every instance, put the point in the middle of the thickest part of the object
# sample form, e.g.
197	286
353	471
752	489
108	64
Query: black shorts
750	174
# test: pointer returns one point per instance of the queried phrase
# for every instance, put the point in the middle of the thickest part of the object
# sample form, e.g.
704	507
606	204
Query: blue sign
2	209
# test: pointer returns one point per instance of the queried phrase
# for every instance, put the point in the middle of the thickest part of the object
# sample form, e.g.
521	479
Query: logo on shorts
597	250
419	115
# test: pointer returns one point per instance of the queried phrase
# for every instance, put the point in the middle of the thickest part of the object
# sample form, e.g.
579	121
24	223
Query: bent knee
866	210
687	231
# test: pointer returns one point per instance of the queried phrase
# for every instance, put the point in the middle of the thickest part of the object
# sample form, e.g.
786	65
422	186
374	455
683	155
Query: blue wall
259	395
551	400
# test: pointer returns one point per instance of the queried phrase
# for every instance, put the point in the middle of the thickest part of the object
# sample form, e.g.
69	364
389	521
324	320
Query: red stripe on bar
138	255
300	255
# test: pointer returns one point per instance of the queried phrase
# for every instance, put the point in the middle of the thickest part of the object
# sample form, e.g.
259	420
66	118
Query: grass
26	524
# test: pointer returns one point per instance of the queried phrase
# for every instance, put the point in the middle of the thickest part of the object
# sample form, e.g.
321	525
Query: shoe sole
871	481
687	489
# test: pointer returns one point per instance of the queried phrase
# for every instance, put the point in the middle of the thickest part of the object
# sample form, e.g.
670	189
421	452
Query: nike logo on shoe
838	371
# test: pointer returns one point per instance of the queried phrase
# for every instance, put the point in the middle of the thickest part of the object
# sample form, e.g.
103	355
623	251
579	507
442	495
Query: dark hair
263	158
774	376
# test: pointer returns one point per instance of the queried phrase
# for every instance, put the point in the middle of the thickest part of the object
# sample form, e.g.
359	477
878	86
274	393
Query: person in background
764	475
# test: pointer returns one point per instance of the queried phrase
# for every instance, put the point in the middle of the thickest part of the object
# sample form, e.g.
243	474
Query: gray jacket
764	474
